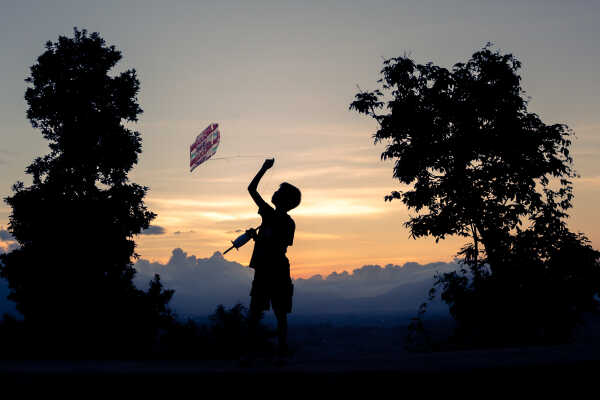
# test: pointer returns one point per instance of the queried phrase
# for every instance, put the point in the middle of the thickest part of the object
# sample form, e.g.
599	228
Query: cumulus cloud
202	283
8	247
153	230
7	242
6	236
373	280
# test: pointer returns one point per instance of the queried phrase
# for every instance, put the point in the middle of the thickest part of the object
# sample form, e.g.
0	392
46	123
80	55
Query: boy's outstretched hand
254	184
268	163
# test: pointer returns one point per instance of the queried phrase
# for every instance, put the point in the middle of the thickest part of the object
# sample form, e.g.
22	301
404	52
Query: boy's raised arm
253	186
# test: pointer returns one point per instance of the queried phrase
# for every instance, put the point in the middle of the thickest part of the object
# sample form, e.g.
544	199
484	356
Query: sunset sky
278	77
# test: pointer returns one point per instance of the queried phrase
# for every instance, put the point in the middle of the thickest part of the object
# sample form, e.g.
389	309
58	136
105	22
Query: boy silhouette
272	282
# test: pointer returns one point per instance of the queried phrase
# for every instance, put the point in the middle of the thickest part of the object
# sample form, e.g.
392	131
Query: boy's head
286	197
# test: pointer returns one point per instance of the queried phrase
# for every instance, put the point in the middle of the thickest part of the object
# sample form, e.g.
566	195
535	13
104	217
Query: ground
341	355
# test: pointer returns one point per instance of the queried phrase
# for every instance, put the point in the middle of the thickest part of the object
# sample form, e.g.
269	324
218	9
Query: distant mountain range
203	283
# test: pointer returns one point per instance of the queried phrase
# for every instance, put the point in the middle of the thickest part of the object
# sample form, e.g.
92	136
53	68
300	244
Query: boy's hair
290	196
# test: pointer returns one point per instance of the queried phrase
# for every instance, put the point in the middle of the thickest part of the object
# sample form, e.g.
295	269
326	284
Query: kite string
268	180
238	156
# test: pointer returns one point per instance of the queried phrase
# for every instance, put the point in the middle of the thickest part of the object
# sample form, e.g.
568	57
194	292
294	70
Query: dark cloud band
153	230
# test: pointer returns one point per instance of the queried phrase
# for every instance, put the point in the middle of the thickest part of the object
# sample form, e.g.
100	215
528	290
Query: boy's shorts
267	291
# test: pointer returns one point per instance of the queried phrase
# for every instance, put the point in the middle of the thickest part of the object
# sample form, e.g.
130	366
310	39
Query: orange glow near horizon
337	228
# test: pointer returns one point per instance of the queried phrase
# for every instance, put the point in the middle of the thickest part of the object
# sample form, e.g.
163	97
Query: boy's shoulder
291	224
288	216
288	219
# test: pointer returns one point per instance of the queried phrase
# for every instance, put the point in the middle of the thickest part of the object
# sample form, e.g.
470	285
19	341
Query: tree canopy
478	164
75	223
465	140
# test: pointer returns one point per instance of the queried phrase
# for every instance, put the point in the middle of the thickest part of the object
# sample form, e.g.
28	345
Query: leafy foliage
226	336
75	224
465	141
230	332
477	164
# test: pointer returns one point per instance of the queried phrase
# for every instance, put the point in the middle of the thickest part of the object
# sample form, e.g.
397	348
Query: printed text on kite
205	145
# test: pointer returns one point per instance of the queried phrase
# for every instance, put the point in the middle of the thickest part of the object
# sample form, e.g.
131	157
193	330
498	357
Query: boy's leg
282	305
282	329
250	351
254	317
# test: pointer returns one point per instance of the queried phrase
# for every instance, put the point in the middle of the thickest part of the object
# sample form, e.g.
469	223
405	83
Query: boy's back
275	234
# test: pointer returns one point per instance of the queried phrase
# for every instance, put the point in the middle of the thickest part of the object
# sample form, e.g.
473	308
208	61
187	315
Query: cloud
183	202
153	230
316	236
335	171
182	232
356	203
373	280
10	247
7	242
202	283
338	208
6	235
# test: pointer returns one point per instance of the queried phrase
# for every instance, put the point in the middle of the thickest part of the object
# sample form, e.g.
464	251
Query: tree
71	276
477	164
229	333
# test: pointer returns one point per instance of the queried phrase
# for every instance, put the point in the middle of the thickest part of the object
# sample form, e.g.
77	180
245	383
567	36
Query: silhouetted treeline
225	336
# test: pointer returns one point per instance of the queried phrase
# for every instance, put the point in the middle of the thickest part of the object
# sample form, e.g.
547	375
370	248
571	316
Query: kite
205	145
